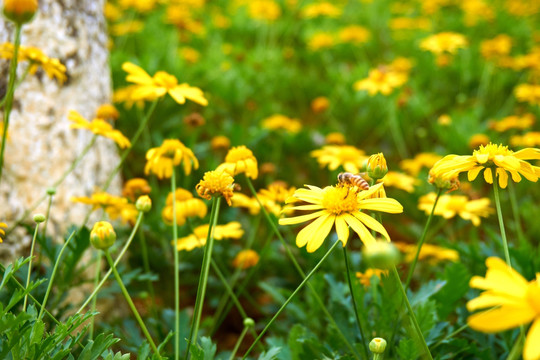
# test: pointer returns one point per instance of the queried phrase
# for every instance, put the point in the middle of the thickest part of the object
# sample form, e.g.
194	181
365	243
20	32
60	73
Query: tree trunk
41	144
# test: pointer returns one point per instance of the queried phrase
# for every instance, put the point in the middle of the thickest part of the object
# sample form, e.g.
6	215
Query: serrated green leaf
407	350
271	354
457	284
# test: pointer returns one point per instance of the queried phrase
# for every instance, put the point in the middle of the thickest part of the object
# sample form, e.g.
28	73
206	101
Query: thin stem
30	264
47	214
203	279
358	322
49	287
300	271
133	140
306	279
421	241
106	276
55	185
410	313
10	92
501	222
131	305
94	300
146	266
515	212
397	134
176	270
238	342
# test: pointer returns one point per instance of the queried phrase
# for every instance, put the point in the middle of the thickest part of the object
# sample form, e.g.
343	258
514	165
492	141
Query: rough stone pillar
42	145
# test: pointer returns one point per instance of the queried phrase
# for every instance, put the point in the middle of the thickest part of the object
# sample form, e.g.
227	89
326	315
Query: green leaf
407	350
457	284
270	354
205	350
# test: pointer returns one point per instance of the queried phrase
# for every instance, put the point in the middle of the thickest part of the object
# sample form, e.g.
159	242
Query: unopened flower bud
20	11
102	236
249	322
143	203
51	191
377	345
39	218
448	184
376	166
381	255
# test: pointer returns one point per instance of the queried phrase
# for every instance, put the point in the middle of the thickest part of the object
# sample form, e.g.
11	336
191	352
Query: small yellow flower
529	139
432	253
246	259
421	160
334	156
477	140
239	160
251	204
321	9
496	48
382	80
512	301
275	196
125	95
139	5
220	142
151	88
376	166
232	230
339	206
143	203
162	160
98	127
189	54
399	181
522	122
407	23
107	111
278	121
444	43
354	34
133	188
528	93
125	28
216	183
2	230
335	138
449	206
321	40
36	58
320	104
102	235
20	11
476	10
491	158
365	277
266	10
186	206
444	120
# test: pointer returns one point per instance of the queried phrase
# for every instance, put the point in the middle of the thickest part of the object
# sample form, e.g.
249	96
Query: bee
346	178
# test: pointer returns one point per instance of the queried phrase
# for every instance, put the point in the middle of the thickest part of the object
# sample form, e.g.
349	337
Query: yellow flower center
339	200
533	296
161	78
238	154
486	154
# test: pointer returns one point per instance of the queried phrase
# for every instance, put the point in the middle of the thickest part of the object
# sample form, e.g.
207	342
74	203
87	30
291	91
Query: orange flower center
339	200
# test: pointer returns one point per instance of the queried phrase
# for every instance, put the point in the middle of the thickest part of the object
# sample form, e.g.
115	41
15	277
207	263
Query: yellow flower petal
387	205
372	224
360	229
300	219
531	351
500	319
488	176
473	173
342	230
322	232
503	178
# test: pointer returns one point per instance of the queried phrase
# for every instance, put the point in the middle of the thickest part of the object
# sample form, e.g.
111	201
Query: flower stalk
176	271
30	264
501	223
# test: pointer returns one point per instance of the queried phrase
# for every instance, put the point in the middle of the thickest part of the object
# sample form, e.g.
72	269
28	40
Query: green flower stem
358	322
454	333
94	300
55	185
146	266
120	255
378	356
131	305
482	88
176	270
421	241
10	92
238	342
306	279
410	313
30	264
300	271
203	279
133	140
397	134
501	222
47	214
515	212
49	287
232	295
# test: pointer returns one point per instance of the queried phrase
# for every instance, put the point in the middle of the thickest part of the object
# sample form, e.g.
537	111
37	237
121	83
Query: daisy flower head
245	259
153	87
494	160
382	80
215	184
239	160
98	127
334	156
512	301
444	42
343	207
162	160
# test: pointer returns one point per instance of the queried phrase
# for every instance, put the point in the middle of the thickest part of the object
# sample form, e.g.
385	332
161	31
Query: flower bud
51	191
249	322
20	11
443	183
376	166
143	203
381	255
102	235
377	345
39	218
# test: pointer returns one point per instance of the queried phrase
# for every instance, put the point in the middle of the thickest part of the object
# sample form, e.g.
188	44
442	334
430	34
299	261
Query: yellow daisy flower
414	166
365	277
449	206
343	207
429	252
321	9
246	259
400	181
239	160
186	206
382	80
98	127
278	121
528	139
214	184
444	42
52	67
162	160
529	93
512	301
523	122
334	156
492	158
133	188
232	230
151	88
